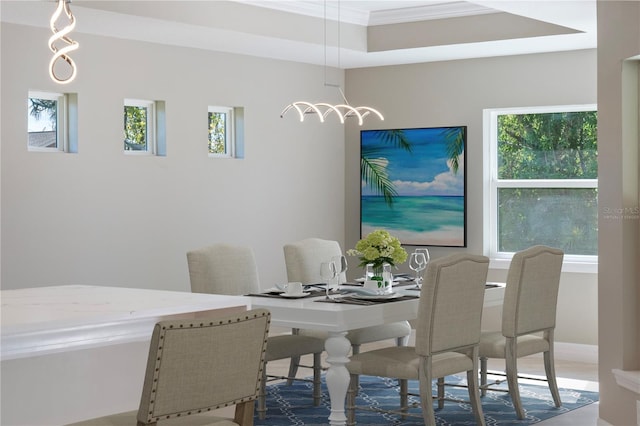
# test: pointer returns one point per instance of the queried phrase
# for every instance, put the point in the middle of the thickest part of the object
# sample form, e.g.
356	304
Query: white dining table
337	319
70	353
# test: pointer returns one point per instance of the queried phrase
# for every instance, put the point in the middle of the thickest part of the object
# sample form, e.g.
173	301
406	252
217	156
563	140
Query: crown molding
427	12
361	16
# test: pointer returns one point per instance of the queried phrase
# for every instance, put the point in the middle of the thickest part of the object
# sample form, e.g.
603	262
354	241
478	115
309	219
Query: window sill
567	266
628	379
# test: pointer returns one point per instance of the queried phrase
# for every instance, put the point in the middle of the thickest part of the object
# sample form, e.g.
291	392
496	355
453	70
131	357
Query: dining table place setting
295	290
358	294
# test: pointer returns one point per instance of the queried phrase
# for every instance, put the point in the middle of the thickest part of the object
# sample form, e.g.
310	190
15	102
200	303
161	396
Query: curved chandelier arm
309	108
63	5
331	108
352	111
369	109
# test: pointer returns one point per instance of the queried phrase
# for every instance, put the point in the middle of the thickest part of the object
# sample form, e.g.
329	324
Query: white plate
295	296
376	296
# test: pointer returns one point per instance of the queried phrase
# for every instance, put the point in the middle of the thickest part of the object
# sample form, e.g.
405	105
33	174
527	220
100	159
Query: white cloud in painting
447	183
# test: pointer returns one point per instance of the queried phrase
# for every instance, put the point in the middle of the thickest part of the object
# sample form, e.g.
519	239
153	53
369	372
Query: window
139	126
46	118
221	132
543	181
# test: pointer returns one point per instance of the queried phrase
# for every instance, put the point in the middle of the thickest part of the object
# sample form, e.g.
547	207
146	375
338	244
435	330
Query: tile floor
570	374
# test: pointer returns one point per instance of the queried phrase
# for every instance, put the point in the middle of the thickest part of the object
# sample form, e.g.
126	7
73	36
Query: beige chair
447	337
231	269
528	319
198	365
303	259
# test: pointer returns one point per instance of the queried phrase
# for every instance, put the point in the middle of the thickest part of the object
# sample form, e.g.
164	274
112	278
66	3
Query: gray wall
456	93
101	217
104	218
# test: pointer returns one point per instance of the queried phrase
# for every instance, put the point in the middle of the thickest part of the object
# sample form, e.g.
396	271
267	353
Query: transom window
221	132
544	180
139	126
46	121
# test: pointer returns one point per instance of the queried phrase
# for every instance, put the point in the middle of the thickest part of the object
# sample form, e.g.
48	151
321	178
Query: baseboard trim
576	352
603	423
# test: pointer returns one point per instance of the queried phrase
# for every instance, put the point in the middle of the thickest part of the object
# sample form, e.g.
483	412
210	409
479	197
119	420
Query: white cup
293	289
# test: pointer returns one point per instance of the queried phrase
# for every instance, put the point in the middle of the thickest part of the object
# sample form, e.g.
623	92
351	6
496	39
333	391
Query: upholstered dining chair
528	319
302	260
447	337
198	365
231	269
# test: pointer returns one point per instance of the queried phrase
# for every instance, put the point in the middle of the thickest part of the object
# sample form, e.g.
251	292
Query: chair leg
317	368
426	398
355	350
550	370
483	376
293	369
262	395
351	400
244	413
512	376
404	396
474	392
440	393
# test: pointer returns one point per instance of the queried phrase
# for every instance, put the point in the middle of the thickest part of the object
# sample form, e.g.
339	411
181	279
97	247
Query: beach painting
413	184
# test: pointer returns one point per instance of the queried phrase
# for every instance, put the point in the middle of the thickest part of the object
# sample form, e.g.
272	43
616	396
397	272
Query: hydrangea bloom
378	248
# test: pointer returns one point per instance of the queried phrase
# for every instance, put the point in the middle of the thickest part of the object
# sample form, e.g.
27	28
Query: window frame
151	147
62	131
230	142
502	260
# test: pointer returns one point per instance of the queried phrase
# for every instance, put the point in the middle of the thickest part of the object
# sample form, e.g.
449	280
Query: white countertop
41	320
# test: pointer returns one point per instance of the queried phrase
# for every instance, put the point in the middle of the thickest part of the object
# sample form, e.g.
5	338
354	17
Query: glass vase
382	275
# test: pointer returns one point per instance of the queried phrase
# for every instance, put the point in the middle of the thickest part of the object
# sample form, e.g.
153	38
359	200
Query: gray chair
231	269
447	337
303	259
198	365
528	319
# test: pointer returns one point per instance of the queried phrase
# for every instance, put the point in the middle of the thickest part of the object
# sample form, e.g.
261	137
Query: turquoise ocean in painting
415	219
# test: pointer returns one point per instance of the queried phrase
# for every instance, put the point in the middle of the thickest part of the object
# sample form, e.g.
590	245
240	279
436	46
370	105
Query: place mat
395	284
278	294
357	301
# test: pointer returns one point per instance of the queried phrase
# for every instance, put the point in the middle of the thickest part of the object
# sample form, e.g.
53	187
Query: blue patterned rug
292	405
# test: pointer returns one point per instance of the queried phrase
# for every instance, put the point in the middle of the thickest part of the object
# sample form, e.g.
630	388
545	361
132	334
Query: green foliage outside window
135	128
39	106
217	133
553	146
548	146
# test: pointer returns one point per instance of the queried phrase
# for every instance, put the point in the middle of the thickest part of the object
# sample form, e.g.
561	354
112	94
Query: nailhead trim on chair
151	418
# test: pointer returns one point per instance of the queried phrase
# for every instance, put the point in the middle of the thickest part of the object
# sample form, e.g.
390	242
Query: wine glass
426	254
341	267
417	263
328	272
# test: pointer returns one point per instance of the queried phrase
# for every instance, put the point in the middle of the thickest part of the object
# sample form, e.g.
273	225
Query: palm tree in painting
373	168
455	145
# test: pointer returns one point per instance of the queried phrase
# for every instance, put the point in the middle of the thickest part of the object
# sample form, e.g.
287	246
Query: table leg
337	377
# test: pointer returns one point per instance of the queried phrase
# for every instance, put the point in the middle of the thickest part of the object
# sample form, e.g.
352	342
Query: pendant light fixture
62	36
323	109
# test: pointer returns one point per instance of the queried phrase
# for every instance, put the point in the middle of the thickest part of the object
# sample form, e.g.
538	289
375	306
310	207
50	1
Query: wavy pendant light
62	35
323	109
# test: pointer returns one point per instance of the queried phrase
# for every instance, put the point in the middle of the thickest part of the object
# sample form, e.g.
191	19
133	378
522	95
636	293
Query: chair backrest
303	259
223	269
451	302
531	294
206	363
